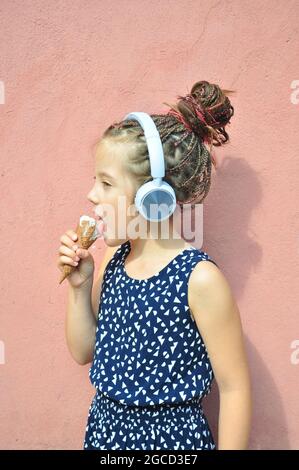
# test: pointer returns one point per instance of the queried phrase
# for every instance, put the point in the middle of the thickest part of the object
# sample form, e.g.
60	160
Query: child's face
114	191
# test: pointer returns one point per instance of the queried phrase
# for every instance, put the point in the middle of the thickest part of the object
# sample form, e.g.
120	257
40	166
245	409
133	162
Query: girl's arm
82	314
80	324
218	320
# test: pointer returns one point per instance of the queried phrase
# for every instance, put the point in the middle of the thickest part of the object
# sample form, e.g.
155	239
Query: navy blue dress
150	368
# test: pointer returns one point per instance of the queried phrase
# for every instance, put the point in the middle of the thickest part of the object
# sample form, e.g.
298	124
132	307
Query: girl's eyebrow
103	173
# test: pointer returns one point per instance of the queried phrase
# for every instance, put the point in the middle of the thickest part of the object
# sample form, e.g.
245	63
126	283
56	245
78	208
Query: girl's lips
98	217
101	225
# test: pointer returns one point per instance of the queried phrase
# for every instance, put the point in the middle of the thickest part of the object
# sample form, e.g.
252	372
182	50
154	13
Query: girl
160	322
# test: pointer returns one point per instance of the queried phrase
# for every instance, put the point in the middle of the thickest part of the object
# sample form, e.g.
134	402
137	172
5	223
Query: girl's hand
69	254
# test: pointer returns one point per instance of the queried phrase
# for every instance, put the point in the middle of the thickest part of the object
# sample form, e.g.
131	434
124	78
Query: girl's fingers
72	235
82	253
64	250
65	240
66	260
67	251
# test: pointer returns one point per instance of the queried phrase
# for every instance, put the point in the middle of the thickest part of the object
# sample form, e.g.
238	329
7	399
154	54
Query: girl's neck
154	244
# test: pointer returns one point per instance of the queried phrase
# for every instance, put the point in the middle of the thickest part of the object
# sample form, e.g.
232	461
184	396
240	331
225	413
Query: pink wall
70	68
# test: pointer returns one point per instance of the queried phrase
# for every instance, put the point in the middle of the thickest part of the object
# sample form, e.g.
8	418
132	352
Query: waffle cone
85	240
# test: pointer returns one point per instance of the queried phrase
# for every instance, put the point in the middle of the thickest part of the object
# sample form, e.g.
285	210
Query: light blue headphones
155	200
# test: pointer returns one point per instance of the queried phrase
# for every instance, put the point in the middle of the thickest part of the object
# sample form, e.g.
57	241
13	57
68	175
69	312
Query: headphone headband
154	144
156	193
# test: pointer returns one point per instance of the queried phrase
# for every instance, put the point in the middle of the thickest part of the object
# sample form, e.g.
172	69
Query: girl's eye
104	182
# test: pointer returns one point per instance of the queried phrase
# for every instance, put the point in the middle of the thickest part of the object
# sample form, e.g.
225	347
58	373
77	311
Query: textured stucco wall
68	69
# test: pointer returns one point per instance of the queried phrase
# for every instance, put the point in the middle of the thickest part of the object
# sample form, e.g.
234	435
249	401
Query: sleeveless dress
150	367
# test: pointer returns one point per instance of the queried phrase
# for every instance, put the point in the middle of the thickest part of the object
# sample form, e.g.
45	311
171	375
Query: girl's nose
91	197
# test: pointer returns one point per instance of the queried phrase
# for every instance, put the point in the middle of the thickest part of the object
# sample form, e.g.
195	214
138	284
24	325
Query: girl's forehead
107	147
111	158
109	168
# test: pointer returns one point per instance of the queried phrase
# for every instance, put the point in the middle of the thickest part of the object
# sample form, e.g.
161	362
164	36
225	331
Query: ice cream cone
87	232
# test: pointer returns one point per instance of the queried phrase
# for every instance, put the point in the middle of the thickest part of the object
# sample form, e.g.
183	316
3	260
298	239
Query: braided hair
197	119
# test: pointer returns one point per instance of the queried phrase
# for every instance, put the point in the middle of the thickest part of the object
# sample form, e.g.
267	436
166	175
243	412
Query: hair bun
207	110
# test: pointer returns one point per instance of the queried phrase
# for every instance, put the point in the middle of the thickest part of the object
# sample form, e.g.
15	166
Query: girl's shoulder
205	275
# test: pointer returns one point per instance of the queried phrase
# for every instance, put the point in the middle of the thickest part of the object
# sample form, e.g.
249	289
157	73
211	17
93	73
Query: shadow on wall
236	191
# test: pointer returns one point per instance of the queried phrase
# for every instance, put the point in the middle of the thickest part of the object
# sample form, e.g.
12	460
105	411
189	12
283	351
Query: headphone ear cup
156	203
155	200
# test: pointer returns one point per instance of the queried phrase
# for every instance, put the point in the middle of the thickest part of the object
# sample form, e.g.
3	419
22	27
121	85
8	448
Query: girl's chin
104	233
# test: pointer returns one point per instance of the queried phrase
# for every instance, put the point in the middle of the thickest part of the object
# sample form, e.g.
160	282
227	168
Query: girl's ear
134	210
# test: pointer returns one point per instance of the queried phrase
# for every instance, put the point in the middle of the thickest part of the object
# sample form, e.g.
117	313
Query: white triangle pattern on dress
148	347
148	350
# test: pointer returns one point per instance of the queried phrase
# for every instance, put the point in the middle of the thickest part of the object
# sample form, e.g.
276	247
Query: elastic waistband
195	401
